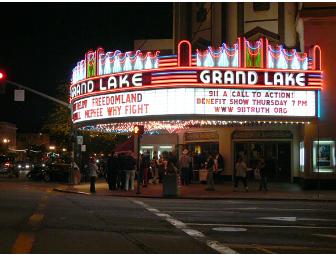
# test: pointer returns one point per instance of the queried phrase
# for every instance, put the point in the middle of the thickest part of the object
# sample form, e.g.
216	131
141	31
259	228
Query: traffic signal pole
55	100
39	93
138	132
138	165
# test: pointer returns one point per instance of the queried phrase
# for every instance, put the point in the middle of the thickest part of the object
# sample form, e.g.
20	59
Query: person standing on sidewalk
112	170
210	180
241	170
155	169
184	166
130	165
263	174
77	174
161	167
93	174
145	165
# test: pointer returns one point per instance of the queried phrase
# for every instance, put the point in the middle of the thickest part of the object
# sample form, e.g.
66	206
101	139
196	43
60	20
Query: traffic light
2	81
2	75
138	130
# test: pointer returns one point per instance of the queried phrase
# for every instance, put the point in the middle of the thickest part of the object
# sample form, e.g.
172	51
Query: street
36	219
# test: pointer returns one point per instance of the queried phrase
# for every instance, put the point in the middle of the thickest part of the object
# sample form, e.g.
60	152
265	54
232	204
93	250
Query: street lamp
6	142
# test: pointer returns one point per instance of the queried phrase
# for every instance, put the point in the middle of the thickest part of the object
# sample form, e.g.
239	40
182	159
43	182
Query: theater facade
247	99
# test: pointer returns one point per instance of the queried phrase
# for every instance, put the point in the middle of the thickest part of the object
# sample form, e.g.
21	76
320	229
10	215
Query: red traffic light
2	75
138	130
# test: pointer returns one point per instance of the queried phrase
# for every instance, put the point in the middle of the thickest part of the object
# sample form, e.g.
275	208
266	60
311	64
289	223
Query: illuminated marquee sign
195	101
249	79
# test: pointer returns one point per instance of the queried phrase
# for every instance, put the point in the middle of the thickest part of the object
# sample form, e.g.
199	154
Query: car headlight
19	166
27	166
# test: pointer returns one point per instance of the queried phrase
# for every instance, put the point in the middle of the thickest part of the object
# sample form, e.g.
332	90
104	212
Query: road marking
41	206
278	218
263	249
256	225
325	235
229	229
24	241
35	220
292	219
228	210
217	246
197	235
204	211
277	247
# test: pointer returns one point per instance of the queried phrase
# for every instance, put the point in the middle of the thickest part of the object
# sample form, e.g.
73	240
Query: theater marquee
254	80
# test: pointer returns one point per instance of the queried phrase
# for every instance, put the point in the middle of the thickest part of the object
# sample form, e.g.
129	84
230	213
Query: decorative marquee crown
242	54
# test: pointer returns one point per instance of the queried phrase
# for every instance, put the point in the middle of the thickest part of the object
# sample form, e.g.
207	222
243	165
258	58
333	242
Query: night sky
42	42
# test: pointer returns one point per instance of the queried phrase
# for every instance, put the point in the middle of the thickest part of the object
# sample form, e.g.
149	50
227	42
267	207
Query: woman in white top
93	174
241	170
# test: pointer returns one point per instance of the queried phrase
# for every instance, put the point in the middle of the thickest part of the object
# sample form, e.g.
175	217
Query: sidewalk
277	191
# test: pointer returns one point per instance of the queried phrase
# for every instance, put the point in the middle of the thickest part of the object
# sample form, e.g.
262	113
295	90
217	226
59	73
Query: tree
58	125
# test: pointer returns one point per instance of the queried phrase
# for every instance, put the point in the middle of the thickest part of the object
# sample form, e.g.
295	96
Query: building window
324	156
302	152
258	7
164	148
147	149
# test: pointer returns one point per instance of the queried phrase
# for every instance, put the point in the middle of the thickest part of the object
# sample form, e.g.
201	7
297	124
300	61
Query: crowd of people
122	170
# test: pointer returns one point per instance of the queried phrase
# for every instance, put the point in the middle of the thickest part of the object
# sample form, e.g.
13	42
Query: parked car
37	172
57	172
23	167
7	166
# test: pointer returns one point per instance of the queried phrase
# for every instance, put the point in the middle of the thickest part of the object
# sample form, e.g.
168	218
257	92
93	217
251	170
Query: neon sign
195	101
105	80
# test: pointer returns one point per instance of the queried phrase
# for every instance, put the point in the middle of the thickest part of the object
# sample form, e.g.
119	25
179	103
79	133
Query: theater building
250	96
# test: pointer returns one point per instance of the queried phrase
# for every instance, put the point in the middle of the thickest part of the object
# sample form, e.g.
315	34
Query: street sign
83	147
19	95
79	139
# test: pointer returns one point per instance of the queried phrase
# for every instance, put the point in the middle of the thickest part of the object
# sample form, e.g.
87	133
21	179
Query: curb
70	191
198	198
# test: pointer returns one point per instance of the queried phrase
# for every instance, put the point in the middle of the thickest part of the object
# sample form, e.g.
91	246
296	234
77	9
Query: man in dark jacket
121	172
145	165
112	171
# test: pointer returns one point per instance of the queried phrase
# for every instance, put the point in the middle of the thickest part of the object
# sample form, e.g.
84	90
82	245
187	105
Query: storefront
250	99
